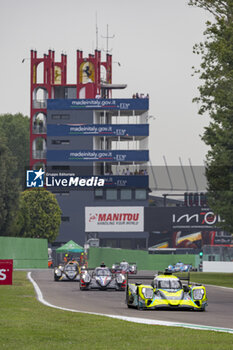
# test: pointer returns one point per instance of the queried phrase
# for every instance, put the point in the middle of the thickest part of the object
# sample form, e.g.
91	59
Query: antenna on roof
96	31
107	37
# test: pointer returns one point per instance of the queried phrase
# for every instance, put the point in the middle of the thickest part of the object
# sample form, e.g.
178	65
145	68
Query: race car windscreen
71	267
124	266
169	284
103	272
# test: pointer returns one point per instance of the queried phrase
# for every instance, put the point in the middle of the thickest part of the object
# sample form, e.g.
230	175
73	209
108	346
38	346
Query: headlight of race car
120	279
148	293
198	293
86	278
58	272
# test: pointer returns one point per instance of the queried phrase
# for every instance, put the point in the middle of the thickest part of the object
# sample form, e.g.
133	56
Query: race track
68	295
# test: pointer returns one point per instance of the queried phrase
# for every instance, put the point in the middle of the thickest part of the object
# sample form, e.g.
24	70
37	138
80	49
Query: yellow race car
166	291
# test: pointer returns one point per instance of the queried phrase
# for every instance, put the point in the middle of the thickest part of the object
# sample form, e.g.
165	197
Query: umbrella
70	247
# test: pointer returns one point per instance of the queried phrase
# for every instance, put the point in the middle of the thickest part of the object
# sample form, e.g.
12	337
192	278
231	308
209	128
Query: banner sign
101	104
114	219
6	271
97	130
137	181
223	239
180	218
97	156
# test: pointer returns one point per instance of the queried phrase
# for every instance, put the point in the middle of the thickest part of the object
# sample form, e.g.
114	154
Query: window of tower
40	96
103	74
40	73
39	148
39	123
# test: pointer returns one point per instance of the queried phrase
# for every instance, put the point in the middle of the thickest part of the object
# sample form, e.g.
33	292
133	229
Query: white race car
124	267
102	278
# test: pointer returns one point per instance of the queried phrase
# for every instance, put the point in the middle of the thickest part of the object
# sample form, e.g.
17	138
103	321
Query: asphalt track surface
68	295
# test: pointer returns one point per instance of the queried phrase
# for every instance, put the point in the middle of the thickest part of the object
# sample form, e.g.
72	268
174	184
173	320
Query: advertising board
114	219
98	104
181	218
97	156
98	130
6	270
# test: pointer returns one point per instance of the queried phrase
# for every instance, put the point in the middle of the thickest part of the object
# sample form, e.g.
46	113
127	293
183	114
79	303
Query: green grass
217	279
29	325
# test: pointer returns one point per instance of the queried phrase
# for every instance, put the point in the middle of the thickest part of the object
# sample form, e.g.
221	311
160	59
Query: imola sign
201	219
6	269
180	218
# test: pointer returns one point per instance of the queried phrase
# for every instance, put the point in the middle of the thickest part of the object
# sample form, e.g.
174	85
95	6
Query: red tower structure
54	73
94	80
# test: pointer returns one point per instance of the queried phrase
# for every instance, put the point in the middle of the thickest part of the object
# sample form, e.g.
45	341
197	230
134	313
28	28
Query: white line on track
129	319
213	285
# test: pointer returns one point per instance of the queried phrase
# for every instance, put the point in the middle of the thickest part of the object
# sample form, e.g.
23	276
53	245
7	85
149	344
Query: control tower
82	129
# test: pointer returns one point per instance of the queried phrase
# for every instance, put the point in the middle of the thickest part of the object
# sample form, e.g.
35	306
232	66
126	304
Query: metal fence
217	253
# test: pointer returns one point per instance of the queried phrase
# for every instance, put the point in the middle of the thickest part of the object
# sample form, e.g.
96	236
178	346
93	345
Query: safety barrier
218	266
25	252
144	260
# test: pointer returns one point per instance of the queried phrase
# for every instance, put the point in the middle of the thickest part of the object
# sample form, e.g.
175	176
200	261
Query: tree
15	127
39	215
216	99
9	188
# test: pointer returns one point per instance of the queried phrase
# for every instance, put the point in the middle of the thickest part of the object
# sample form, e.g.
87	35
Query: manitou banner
6	270
114	219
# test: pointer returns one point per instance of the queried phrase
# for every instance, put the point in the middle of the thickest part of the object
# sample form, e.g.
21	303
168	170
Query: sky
153	41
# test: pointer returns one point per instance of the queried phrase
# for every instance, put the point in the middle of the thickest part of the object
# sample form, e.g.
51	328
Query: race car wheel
138	306
203	308
56	278
83	288
129	301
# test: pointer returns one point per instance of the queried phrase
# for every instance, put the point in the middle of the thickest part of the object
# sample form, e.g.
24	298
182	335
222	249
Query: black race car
67	272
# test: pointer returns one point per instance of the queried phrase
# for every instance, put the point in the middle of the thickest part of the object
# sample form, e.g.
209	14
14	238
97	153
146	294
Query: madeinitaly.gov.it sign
99	104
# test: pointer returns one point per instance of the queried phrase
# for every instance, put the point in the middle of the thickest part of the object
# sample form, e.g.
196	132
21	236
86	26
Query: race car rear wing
130	263
141	277
182	278
149	277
